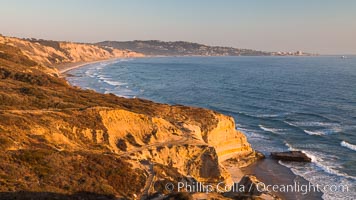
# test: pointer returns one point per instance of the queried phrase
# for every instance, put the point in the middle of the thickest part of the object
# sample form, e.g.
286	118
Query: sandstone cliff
49	53
61	139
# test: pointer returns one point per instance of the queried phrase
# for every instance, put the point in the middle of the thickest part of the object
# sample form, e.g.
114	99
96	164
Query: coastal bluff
57	140
52	53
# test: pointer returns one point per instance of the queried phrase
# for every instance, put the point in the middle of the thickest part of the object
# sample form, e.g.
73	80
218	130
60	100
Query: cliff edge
57	140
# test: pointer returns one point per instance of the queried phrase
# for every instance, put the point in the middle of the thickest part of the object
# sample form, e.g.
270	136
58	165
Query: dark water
281	103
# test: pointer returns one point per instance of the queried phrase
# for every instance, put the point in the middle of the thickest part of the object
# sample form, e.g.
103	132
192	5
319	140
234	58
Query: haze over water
280	103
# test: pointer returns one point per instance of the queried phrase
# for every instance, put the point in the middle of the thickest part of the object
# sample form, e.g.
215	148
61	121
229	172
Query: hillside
59	141
179	48
52	53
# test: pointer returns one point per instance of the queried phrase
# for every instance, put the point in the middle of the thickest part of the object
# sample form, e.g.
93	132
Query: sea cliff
61	141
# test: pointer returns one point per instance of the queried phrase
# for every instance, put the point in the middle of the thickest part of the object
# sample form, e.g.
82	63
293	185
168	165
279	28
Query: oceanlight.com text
301	188
260	187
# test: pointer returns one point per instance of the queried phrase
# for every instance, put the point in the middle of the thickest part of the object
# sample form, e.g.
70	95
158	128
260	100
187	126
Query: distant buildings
297	53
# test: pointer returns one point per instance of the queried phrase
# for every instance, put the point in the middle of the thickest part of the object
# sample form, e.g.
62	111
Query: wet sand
272	173
65	67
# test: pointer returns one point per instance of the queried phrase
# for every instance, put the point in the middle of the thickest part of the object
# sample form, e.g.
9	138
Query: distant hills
180	48
175	48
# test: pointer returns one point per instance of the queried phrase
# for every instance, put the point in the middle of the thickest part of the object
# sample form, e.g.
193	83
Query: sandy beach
65	67
271	173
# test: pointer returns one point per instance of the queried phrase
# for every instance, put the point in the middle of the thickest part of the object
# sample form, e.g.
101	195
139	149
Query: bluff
51	53
60	141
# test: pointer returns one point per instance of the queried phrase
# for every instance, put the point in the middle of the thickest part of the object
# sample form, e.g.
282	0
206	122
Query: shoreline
270	172
266	170
66	67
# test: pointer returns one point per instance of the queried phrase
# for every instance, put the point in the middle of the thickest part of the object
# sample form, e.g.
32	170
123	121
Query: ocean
280	103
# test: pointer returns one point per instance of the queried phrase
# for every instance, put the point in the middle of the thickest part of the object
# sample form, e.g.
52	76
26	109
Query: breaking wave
272	130
314	132
321	161
348	145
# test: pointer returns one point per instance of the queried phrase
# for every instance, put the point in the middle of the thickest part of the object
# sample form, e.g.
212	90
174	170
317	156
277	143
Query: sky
315	26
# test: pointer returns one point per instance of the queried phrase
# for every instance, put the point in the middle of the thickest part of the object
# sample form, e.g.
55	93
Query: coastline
66	67
266	170
270	172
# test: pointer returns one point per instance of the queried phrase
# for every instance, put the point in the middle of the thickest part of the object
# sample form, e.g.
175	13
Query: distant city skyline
319	26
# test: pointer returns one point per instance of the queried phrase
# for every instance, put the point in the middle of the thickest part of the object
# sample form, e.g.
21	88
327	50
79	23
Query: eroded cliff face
136	138
49	53
62	139
187	146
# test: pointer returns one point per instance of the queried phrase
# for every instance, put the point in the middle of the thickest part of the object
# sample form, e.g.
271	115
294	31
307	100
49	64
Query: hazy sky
320	26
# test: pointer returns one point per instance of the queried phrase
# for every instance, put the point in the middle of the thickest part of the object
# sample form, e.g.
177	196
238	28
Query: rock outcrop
186	145
296	156
251	188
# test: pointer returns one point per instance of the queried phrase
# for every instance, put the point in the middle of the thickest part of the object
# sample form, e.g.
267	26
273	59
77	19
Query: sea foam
272	130
321	161
252	134
114	83
322	128
348	145
314	132
327	166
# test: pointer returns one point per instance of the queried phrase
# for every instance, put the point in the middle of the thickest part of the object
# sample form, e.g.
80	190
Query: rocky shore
61	141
